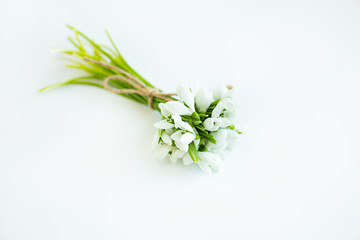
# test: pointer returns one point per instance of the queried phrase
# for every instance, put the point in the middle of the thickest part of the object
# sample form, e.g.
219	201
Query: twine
139	87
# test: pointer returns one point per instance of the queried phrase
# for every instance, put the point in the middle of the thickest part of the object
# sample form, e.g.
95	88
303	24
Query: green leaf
195	116
200	127
193	152
212	106
185	118
196	123
95	74
208	136
71	81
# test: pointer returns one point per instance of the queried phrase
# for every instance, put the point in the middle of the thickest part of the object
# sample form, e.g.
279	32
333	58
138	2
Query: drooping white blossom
180	124
182	140
184	93
224	108
174	107
204	98
177	154
209	161
163	124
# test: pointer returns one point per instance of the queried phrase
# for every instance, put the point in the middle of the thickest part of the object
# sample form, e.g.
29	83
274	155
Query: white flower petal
218	166
204	98
220	150
176	136
209	123
163	110
185	94
179	153
221	136
163	124
211	159
176	155
181	124
228	104
217	122
230	115
162	151
205	167
221	140
169	131
217	110
196	142
166	138
220	92
187	160
176	107
224	122
187	138
207	157
212	124
182	146
173	158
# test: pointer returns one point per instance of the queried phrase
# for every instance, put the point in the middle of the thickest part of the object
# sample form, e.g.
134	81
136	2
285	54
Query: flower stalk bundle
197	123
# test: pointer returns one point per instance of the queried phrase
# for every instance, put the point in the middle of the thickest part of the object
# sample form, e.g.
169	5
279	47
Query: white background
76	162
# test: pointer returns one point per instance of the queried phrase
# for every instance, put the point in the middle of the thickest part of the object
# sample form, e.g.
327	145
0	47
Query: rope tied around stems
139	87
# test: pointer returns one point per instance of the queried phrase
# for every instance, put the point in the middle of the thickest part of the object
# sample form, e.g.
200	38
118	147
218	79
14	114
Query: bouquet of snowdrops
197	123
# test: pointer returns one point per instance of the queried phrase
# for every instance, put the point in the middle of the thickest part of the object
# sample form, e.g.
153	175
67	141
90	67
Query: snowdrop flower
163	124
221	112
180	124
182	140
184	93
208	161
183	135
204	98
225	96
173	107
187	160
161	148
184	107
221	137
177	154
213	124
216	121
222	92
165	138
162	151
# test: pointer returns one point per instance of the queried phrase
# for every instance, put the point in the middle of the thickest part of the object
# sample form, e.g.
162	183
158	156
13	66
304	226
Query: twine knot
139	87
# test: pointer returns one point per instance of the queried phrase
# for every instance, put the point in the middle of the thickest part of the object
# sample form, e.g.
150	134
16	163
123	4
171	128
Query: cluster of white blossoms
197	128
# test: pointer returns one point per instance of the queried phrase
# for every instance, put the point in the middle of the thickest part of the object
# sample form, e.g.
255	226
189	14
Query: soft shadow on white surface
76	162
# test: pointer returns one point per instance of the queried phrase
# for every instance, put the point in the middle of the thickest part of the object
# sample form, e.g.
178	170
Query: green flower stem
85	47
